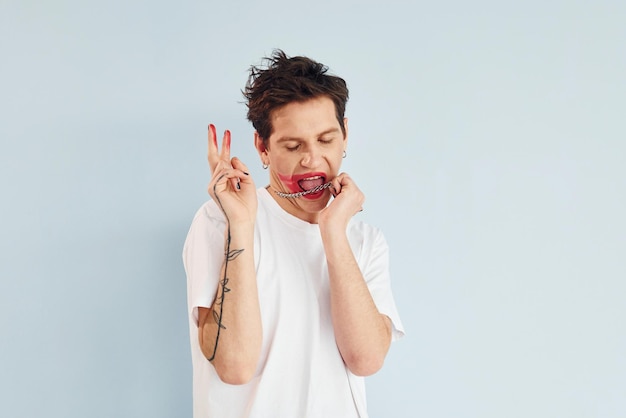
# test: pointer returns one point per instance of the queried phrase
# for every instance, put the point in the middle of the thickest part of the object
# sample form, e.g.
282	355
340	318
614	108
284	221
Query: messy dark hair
285	80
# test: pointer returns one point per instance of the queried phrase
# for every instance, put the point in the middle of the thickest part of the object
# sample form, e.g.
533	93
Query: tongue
310	184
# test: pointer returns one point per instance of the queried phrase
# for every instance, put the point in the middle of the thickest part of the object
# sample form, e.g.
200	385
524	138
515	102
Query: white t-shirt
300	371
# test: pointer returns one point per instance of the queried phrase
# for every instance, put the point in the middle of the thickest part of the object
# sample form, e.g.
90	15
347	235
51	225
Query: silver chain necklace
306	192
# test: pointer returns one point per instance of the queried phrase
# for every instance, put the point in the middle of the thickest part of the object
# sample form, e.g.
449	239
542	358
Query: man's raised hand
231	185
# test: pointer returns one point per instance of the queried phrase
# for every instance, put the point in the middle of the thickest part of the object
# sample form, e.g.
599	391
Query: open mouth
311	183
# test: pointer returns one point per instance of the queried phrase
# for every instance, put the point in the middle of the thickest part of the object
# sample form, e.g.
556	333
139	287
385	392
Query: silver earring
344	154
265	166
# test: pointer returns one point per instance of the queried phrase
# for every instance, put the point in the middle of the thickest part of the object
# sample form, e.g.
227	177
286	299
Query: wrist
240	228
333	233
332	226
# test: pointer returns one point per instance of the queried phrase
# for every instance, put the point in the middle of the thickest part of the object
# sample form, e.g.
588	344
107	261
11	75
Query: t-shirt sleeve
375	269
203	255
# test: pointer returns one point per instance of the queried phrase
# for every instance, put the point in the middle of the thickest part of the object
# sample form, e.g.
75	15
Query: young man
289	297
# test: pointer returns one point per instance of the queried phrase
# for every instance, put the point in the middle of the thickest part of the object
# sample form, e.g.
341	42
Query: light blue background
488	137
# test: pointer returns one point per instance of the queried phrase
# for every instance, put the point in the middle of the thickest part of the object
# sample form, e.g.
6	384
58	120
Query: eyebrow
290	138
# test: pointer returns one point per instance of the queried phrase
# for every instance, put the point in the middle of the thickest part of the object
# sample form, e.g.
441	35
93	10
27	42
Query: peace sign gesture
231	186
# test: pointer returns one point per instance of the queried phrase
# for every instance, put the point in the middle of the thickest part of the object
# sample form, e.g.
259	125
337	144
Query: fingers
335	187
237	164
346	188
224	169
225	155
338	183
341	181
225	174
214	154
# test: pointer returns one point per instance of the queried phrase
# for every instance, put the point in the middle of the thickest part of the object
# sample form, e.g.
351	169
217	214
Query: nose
311	159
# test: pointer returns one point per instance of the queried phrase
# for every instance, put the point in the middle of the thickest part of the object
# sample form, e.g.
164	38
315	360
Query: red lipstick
303	182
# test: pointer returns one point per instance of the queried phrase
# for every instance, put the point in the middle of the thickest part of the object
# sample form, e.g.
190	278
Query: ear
345	137
260	147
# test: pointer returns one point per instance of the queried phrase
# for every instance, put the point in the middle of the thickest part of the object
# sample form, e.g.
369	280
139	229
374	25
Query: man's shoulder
362	227
364	233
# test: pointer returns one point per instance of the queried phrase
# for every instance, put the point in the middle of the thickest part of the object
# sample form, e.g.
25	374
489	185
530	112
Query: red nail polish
213	135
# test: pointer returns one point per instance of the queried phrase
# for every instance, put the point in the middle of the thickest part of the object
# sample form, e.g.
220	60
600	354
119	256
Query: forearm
230	331
363	334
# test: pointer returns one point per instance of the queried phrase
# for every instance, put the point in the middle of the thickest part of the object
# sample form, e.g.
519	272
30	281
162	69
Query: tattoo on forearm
229	255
